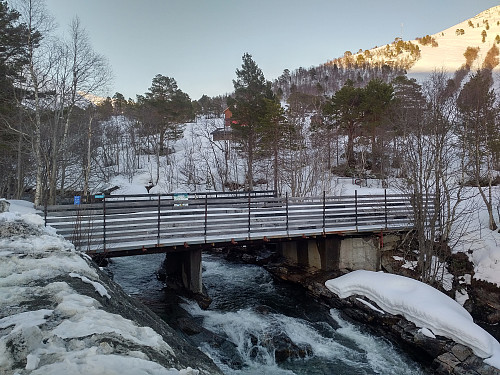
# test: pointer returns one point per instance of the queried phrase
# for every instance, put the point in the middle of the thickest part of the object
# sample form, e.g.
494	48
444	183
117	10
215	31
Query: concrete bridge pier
183	269
334	252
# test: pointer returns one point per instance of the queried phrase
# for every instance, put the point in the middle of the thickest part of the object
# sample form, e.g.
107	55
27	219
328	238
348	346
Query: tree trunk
19	172
89	157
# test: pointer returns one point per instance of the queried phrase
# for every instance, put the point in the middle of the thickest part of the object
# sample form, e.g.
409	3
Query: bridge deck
122	223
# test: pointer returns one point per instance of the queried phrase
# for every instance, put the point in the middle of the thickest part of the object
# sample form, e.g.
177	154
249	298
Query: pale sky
200	43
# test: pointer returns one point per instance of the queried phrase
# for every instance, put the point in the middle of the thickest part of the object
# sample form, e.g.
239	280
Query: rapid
257	325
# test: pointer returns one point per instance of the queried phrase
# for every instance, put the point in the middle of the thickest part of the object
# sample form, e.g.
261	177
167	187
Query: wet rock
284	348
228	351
446	363
485	302
248	258
431	346
263	309
462	352
188	326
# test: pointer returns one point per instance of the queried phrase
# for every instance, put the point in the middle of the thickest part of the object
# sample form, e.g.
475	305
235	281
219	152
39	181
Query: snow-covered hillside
440	51
453	42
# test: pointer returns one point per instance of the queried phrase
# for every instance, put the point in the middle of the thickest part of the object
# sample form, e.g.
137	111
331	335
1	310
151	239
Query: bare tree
89	73
431	168
40	61
479	132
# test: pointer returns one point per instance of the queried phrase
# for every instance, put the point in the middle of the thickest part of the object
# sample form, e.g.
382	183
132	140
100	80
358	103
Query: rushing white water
259	318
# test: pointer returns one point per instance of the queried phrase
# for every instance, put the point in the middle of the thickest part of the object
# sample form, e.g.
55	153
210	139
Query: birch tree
37	78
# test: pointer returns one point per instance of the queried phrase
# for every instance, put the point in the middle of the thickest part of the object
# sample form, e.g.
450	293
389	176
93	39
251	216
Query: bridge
182	225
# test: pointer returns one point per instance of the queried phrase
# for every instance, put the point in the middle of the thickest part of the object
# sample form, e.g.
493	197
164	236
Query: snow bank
55	311
421	304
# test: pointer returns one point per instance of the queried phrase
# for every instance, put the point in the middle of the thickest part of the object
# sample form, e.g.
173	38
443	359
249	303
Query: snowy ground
432	311
481	244
58	316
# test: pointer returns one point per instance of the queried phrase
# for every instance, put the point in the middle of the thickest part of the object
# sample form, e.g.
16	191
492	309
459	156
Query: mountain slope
454	41
442	51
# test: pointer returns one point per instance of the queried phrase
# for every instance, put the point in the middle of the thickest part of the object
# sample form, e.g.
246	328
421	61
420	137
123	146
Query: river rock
446	363
284	348
189	326
486	302
462	352
4	206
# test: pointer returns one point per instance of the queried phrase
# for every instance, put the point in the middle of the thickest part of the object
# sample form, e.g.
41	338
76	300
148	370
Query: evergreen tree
273	126
170	108
119	103
249	107
344	109
13	57
378	97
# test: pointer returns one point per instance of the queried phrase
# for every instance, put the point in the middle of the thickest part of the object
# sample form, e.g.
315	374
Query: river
259	316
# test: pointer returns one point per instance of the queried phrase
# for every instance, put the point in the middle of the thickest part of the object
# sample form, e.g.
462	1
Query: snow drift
421	304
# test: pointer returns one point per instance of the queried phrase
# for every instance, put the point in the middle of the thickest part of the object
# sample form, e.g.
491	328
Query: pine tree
273	126
378	97
344	109
170	107
13	57
162	112
119	103
249	107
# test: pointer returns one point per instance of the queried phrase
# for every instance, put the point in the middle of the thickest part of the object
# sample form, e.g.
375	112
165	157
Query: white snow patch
370	305
25	319
99	288
427	332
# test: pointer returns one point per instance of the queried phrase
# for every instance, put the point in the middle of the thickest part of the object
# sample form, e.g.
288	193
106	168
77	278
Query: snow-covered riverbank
429	309
59	314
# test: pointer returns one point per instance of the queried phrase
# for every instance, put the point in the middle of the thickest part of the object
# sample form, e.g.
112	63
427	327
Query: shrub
470	55
426	40
491	59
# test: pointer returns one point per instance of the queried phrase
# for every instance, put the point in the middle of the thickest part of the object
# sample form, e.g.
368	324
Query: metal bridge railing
120	222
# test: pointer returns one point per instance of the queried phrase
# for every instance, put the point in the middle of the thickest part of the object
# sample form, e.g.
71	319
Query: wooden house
225	133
